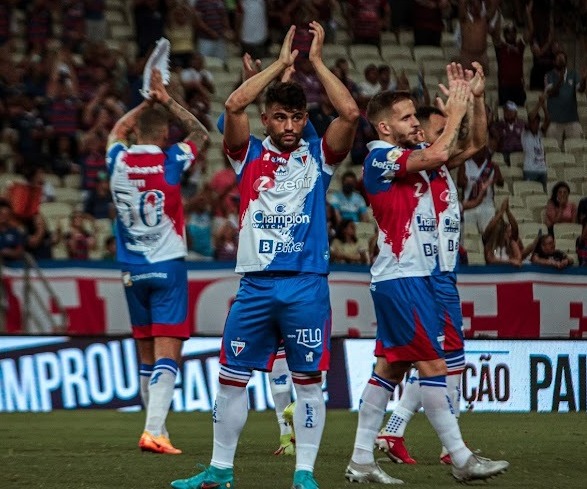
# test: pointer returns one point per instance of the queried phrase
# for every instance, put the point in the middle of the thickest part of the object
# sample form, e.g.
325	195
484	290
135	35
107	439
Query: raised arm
126	124
236	122
341	131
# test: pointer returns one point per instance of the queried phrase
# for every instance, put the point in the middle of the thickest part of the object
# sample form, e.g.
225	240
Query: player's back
145	183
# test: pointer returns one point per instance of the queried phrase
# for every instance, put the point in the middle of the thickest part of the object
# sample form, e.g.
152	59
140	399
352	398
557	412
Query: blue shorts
157	298
445	289
408	322
271	307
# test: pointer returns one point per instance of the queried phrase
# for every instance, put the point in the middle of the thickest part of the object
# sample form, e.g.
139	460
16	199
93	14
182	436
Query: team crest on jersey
394	154
185	148
237	347
300	157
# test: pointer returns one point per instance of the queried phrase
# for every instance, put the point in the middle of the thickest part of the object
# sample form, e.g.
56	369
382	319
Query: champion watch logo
237	347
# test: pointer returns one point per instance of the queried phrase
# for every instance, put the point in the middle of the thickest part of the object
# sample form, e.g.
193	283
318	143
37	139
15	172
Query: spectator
64	159
73	20
341	69
323	115
253	29
366	19
384	75
96	27
26	198
558	207
345	247
561	86
25	119
427	21
199	226
365	134
509	52
478	173
63	94
582	210
98	203
226	197
534	157
213	28
6	10
11	238
181	21
307	78
508	132
109	249
543	45
78	241
226	242
348	203
196	78
39	239
581	245
547	255
39	26
477	19
92	161
149	20
499	245
370	86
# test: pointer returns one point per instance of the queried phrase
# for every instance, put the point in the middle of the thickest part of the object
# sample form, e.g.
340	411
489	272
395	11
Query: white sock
309	418
371	411
408	405
229	415
439	411
280	385
453	388
161	385
145	372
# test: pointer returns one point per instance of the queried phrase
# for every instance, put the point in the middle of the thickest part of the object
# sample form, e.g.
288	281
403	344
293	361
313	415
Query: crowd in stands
70	68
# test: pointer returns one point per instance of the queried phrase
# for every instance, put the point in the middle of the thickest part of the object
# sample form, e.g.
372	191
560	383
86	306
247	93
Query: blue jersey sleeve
113	152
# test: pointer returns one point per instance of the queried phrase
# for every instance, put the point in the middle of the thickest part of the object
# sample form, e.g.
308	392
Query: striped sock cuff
301	378
455	361
166	364
381	382
238	377
436	381
280	352
145	369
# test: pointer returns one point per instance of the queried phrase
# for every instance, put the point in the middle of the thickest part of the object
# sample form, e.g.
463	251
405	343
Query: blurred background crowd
70	68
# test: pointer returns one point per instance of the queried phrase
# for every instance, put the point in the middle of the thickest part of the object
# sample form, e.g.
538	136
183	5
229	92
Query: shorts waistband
283	273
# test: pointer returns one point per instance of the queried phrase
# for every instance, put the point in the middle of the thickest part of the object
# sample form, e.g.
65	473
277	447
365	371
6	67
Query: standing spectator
11	238
39	26
213	28
98	202
181	21
547	255
150	244
149	20
78	240
348	204
499	246
581	245
427	21
508	132
534	157
73	24
92	161
561	86
369	86
509	52
252	27
96	27
477	19
63	93
264	310
366	19
559	208
195	77
477	173
345	247
541	35
582	210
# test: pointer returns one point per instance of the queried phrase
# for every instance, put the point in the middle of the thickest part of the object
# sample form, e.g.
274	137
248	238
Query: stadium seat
71	196
72	181
406	38
577	147
392	53
550	145
475	258
213	64
56	210
470	230
537	204
523	215
425	53
498	158
529	230
576	175
335	51
523	188
365	230
568	246
121	32
53	180
364	51
517	159
473	244
511	173
567	230
556	160
7	178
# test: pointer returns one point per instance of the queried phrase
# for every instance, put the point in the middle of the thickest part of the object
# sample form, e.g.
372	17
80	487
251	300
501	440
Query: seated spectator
561	86
109	249
534	157
499	245
195	77
98	202
199	226
226	242
508	132
581	245
476	175
78	241
385	81
370	86
345	247
558	207
348	203
547	255
11	238
149	19
92	161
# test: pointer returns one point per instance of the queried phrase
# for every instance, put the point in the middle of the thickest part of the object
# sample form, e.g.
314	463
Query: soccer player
145	181
443	279
283	254
398	185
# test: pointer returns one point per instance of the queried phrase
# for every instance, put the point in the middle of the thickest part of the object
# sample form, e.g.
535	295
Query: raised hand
317	42
477	81
287	74
454	73
157	91
458	99
286	55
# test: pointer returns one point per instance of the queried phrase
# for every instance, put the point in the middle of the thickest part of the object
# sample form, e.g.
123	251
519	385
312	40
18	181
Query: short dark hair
383	101
151	120
290	95
425	112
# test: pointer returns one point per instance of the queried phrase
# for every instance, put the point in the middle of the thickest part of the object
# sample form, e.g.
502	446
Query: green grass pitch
98	450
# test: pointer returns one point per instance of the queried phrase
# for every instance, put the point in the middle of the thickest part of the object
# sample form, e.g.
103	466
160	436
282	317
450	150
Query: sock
309	418
455	362
439	412
371	411
408	405
229	414
160	393
280	385
145	372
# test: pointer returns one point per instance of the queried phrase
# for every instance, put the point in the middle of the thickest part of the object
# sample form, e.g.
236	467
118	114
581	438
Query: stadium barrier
501	302
43	373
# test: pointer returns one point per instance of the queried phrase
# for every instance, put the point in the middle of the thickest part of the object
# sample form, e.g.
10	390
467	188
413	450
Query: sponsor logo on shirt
451	225
144	170
264	183
278	221
389	166
425	223
270	246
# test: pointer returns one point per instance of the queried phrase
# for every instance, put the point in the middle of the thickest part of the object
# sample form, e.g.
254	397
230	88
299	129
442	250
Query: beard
286	141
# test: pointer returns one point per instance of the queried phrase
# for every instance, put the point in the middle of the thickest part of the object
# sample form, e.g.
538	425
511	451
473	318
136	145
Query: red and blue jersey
448	217
145	184
402	206
283	206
